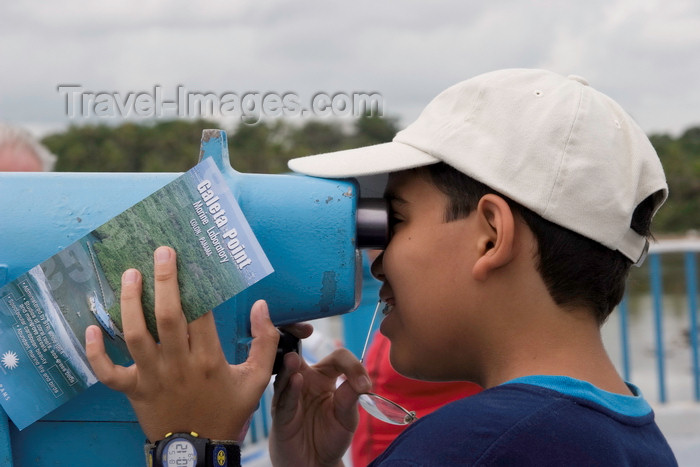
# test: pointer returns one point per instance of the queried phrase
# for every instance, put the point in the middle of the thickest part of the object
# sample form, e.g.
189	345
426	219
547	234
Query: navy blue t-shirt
535	421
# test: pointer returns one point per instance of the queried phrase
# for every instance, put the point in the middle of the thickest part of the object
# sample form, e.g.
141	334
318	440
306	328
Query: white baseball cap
550	143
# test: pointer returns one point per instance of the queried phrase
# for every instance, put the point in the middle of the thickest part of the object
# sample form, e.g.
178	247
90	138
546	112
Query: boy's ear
496	234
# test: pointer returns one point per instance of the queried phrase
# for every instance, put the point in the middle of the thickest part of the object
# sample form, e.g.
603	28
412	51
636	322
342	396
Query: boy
519	200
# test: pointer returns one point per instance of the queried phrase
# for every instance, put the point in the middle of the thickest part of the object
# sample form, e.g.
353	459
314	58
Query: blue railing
660	253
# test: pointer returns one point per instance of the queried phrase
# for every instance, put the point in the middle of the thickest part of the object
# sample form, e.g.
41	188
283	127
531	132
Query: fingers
345	405
288	388
113	376
138	339
265	338
204	338
343	362
300	330
171	323
292	363
285	407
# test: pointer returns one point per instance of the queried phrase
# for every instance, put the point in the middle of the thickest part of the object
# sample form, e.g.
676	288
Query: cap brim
369	160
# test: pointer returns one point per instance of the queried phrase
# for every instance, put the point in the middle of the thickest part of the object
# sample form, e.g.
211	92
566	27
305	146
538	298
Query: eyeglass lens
378	406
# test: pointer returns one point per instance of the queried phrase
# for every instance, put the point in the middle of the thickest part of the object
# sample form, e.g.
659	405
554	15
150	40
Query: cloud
641	52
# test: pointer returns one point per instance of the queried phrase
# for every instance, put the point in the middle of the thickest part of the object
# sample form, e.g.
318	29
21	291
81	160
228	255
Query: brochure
44	312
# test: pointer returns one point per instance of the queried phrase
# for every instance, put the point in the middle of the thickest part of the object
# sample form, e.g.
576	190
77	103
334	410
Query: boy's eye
394	220
396	213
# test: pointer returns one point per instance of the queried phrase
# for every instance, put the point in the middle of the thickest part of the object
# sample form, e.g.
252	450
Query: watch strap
219	453
223	453
149	451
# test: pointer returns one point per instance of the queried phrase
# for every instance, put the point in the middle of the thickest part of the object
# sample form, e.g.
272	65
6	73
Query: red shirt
372	435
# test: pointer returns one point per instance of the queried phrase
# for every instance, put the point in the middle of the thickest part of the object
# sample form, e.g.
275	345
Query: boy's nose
377	268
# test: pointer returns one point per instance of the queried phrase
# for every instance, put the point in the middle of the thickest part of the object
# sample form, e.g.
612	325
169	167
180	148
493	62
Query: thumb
345	401
263	348
113	376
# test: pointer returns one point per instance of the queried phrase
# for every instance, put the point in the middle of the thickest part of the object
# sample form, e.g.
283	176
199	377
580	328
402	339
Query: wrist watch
189	450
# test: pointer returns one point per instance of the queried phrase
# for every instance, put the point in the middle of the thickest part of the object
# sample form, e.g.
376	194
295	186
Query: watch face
179	452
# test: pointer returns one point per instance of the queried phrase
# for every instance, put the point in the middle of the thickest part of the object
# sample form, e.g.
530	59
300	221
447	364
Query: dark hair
576	270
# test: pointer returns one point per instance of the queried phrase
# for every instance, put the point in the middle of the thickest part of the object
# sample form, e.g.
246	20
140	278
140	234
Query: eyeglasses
378	406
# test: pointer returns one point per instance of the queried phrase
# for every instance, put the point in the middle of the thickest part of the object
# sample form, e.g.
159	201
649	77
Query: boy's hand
184	383
313	422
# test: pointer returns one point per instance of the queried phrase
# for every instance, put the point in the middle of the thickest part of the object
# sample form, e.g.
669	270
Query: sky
643	53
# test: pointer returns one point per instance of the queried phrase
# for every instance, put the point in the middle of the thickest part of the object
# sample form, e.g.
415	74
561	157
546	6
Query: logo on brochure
10	360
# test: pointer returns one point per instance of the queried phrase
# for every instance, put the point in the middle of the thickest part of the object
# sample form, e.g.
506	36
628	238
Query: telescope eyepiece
372	223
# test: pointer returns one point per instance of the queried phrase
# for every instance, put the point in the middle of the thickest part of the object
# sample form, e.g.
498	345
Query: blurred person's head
21	152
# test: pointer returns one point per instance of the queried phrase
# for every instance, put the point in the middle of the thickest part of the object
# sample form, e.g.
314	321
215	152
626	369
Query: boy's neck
533	335
570	346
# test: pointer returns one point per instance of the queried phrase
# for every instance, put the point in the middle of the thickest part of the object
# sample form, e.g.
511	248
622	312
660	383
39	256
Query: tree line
173	146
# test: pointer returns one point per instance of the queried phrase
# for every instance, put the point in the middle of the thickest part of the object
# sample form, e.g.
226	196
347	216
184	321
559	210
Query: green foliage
173	146
373	130
170	146
681	160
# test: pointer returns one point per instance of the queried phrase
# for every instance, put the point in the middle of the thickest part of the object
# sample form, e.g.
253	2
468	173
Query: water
642	347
